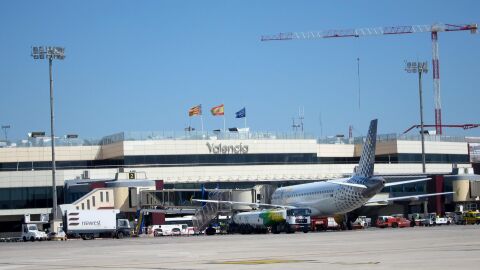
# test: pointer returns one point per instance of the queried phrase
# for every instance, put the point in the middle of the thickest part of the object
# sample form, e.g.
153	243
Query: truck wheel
120	235
395	225
24	239
32	239
210	231
288	229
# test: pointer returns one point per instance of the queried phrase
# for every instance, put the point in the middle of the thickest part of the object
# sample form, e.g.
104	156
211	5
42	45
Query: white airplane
338	197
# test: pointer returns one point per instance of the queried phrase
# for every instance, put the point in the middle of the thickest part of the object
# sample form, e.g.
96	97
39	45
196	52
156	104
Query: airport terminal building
218	160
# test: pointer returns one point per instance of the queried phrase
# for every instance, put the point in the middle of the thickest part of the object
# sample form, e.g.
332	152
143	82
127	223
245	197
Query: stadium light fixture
420	68
51	53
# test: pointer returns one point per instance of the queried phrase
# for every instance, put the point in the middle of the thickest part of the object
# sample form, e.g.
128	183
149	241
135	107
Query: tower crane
390	30
464	126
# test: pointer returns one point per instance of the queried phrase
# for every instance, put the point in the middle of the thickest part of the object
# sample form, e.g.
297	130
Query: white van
170	229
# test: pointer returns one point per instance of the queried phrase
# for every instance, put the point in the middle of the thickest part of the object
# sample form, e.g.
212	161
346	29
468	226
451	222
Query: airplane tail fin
367	159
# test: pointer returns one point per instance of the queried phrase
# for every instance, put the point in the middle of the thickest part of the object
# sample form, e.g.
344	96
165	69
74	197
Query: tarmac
445	247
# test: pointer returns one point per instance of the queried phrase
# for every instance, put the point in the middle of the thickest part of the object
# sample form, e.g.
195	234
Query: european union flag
241	113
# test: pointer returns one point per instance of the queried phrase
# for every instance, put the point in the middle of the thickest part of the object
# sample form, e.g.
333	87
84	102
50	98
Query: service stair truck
89	224
275	220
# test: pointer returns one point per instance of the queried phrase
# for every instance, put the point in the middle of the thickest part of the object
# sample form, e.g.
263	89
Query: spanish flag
217	110
197	110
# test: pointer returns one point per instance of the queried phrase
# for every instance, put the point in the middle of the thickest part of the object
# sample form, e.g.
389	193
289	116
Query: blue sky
140	65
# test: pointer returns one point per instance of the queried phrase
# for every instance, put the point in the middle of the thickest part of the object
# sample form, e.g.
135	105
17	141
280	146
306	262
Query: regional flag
217	110
241	114
196	110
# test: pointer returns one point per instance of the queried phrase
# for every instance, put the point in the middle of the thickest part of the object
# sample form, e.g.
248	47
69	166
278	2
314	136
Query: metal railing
203	217
158	135
197	135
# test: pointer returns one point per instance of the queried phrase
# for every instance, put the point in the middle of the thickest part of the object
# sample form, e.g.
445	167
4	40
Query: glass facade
417	158
28	197
62	165
221	159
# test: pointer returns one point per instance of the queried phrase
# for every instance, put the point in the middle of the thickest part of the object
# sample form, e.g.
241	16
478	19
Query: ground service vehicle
470	217
394	222
170	229
30	232
275	220
417	219
188	220
324	223
59	235
89	224
361	222
431	219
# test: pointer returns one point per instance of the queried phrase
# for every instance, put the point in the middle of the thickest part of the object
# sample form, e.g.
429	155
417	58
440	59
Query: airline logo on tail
367	158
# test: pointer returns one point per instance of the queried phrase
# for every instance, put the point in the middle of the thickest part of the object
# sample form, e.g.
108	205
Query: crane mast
390	30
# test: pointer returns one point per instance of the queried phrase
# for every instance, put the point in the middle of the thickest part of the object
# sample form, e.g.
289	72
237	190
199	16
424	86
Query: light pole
5	127
419	67
50	53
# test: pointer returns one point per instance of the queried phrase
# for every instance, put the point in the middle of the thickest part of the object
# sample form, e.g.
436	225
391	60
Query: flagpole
245	122
224	129
201	120
189	125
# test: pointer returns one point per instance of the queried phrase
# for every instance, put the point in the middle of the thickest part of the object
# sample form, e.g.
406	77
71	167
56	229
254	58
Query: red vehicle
394	222
323	224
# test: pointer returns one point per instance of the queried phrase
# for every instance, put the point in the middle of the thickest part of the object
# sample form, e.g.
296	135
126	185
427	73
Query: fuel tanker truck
273	220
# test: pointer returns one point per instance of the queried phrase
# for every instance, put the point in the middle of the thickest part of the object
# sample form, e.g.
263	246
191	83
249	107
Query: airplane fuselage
326	198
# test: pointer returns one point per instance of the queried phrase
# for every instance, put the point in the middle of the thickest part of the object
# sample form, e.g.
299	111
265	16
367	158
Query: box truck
89	224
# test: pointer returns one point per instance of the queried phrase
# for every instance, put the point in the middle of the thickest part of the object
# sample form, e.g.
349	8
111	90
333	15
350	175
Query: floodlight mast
5	127
50	53
419	67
